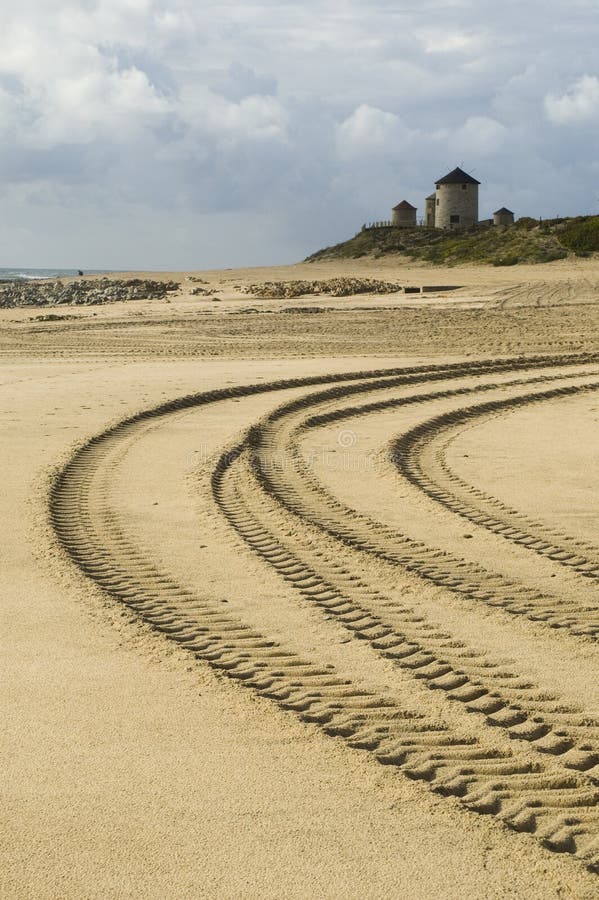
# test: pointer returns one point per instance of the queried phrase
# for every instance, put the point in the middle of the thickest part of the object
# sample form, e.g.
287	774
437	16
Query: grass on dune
527	241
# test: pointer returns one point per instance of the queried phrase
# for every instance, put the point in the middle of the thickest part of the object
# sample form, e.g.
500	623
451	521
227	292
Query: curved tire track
443	485
555	795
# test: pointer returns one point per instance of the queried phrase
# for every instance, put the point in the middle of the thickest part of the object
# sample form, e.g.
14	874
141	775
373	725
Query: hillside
527	241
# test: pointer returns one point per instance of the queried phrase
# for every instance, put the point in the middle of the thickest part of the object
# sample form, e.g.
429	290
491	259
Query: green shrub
551	254
506	260
581	235
527	223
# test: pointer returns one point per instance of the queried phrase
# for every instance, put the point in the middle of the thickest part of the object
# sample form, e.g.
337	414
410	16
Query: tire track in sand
558	803
297	489
420	458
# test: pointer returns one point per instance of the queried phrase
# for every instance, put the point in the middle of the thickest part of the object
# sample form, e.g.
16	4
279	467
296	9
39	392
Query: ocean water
34	274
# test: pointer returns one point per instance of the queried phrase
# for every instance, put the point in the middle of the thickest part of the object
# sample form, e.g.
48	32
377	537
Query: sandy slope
134	768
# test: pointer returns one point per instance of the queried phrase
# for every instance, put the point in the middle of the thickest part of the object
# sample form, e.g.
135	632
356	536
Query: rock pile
334	287
203	292
82	293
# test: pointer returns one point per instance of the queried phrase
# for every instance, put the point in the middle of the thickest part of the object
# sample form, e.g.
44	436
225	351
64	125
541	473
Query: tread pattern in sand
534	760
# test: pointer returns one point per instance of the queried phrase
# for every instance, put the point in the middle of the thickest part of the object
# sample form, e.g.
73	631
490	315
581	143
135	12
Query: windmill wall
456	205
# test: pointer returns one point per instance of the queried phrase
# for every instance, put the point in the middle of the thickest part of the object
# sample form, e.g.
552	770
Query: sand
324	667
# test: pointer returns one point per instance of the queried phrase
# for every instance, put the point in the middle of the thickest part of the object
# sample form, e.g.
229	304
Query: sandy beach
301	596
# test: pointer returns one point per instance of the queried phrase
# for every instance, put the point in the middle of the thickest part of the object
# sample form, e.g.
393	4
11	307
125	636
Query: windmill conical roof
457	176
404	205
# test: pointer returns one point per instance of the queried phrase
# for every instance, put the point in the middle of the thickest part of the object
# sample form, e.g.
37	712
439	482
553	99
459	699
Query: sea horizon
25	273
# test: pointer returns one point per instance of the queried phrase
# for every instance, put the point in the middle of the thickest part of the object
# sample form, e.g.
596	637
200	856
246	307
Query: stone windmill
456	200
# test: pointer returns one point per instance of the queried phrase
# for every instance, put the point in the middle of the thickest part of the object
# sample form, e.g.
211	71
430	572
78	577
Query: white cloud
256	117
580	103
368	130
71	90
479	136
447	40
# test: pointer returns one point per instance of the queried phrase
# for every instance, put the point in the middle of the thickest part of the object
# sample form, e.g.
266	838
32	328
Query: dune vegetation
527	241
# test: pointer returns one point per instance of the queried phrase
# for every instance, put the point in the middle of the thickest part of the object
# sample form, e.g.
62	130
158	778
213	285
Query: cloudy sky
189	133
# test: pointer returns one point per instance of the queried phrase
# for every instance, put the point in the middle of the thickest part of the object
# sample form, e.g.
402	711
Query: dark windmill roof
503	209
458	176
404	205
432	196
